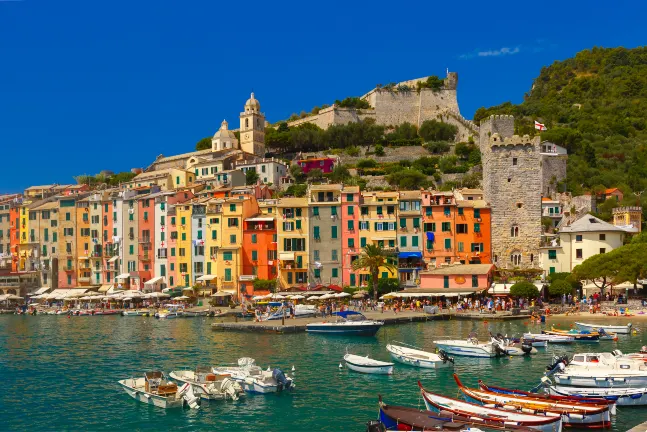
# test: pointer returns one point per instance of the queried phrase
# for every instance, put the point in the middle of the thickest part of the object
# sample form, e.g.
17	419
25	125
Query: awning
154	280
260	219
410	255
105	288
405	270
286	256
123	276
206	278
41	290
113	259
83	258
447	292
222	294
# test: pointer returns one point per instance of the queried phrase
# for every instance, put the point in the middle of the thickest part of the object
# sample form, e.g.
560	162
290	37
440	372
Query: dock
642	427
389	318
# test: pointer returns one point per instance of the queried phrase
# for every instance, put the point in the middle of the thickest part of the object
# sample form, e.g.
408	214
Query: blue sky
87	85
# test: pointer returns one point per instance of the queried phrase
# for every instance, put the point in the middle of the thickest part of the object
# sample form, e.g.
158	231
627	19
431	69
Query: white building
268	170
585	237
552	209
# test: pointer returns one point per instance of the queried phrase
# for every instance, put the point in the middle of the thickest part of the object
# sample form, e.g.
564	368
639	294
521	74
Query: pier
642	427
299	325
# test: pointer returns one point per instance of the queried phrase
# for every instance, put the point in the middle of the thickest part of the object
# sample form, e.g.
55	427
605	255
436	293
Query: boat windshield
350	315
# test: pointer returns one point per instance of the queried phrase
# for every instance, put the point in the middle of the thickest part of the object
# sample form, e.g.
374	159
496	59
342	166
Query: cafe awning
41	291
410	255
113	259
123	276
154	280
222	294
206	278
105	288
259	219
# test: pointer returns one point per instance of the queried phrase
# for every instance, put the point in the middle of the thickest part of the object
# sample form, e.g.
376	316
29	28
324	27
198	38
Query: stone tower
512	184
224	139
252	128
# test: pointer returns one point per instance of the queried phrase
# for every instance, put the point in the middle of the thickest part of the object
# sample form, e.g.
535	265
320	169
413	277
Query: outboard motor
230	388
375	426
444	357
557	361
283	381
616	353
526	347
186	392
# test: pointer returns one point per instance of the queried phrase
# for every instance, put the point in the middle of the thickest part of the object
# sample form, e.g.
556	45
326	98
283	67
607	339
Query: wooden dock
389	318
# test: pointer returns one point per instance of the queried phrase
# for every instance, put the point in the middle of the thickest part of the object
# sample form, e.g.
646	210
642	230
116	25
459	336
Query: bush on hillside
433	130
437	147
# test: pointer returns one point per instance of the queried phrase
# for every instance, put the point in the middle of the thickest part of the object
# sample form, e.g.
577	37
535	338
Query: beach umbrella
182	298
312	299
297	297
388	296
342	294
277	296
359	296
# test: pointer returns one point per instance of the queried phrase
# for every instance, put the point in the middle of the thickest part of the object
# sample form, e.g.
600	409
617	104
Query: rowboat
412	356
577	335
550	338
208	385
576	414
602	370
620	329
348	323
619	396
155	389
367	365
413	419
547	422
551	397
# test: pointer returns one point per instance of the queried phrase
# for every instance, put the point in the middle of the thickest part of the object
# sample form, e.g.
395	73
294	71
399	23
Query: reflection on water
61	373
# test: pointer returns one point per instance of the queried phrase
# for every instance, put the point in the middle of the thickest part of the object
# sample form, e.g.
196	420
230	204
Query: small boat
170	312
607	336
300	311
350	323
136	312
399	418
208	385
536	343
542	422
200	313
253	379
619	396
413	356
620	329
575	414
553	339
602	370
508	347
155	389
579	336
470	347
367	365
551	397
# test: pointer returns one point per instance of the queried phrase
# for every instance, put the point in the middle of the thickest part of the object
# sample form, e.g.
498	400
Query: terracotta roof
462	269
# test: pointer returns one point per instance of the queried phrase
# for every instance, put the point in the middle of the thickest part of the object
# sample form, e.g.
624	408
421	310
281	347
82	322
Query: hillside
594	104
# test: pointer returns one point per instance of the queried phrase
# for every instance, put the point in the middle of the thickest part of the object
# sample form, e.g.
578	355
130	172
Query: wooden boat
553	339
620	329
551	397
413	419
348	323
576	414
546	422
577	335
413	356
367	365
209	385
618	396
153	388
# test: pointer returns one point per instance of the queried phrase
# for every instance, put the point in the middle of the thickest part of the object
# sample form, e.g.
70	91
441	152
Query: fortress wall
395	108
553	171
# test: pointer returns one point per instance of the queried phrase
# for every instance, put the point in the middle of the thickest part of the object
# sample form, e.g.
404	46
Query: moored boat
136	312
155	389
576	414
578	336
253	379
208	385
619	329
413	356
170	312
348	323
194	313
618	396
367	365
300	311
552	339
470	347
602	370
544	422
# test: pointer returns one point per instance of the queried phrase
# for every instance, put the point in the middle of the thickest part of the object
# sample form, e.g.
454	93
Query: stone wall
335	116
553	169
512	177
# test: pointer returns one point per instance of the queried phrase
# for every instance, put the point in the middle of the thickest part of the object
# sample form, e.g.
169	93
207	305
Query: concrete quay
389	318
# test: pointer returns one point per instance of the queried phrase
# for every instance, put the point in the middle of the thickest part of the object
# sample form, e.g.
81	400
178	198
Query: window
200	235
391	226
578	238
414	241
333	211
298	212
364	211
403	241
68	216
416	222
447	211
378	226
232	222
183	220
430	227
315	211
183	236
552	254
551	270
227	256
351	210
349	197
477	213
315	255
298	224
461	228
333	255
351	243
603	250
232	207
232	239
445	281
475	281
514	161
427	211
333	232
514	231
353	280
362	241
351	225
448	244
447	226
254	255
603	236
227	275
172	252
477	227
515	258
131	249
316	233
182	252
317	273
403	223
214	234
461	211
461	247
335	272
363	225
578	253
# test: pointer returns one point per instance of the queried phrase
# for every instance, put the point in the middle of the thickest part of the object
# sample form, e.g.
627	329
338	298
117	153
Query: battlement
514	140
626	210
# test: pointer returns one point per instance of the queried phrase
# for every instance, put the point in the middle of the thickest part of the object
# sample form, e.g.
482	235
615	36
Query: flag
540	126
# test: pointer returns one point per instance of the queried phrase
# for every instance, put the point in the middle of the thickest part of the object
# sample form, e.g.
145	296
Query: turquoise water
61	373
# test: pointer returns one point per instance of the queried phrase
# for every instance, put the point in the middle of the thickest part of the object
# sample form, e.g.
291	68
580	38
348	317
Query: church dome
224	131
252	104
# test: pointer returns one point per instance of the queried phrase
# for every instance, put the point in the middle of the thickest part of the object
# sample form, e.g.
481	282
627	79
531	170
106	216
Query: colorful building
260	257
351	199
184	244
145	236
68	243
325	236
410	244
325	164
293	241
453	281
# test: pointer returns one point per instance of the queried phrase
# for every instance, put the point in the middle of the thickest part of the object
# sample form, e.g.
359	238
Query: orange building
259	251
83	248
14	236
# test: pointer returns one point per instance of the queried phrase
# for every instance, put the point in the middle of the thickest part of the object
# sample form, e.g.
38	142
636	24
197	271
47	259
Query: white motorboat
136	312
553	339
470	347
347	323
155	389
619	329
253	379
300	311
603	370
413	356
170	312
198	313
208	385
621	396
504	346
367	365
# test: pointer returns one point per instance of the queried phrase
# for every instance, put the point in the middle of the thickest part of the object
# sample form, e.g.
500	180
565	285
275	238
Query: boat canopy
347	313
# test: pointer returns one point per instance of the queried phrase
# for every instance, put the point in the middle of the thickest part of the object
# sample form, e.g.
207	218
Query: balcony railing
144	239
145	257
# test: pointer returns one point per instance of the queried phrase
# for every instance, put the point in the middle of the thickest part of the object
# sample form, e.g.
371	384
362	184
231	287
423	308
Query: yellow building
166	179
628	218
378	226
213	242
184	244
293	241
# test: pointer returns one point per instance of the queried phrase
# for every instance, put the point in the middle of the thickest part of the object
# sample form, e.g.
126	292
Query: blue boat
349	323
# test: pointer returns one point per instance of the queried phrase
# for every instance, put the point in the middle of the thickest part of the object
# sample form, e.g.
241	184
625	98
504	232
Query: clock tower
252	128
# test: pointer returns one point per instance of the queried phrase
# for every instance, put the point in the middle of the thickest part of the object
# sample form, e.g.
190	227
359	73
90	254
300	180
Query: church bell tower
252	128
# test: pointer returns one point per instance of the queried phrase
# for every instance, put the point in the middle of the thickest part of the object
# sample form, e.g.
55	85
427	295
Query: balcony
69	268
84	265
145	239
145	257
84	279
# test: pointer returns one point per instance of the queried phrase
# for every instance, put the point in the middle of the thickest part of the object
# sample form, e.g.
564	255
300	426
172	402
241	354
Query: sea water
60	373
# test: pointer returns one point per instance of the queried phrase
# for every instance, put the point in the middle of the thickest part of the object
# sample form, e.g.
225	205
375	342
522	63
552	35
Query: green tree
373	258
353	102
408	179
524	289
315	174
264	285
339	174
560	287
283	127
384	286
437	147
122	177
251	177
379	150
404	131
366	163
297	173
203	144
432	130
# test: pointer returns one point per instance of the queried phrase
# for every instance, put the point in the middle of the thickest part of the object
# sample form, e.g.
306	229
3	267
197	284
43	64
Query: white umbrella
127	299
325	297
311	299
389	295
159	295
297	297
277	296
255	298
182	298
342	294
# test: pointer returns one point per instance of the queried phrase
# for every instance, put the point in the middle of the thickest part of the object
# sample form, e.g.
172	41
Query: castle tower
252	128
512	182
224	139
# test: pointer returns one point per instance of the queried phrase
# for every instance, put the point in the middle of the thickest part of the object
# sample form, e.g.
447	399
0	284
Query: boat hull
155	400
200	389
346	329
404	357
466	350
612	381
638	397
369	367
607	328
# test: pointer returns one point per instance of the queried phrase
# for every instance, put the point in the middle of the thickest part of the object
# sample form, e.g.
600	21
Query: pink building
452	279
146	237
325	164
350	248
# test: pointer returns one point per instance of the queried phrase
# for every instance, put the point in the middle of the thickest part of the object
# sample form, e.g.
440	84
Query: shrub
437	147
352	151
432	130
366	163
379	150
560	287
524	289
405	131
353	102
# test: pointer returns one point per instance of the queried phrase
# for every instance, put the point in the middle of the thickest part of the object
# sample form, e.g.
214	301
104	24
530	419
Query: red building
14	236
325	164
259	251
350	247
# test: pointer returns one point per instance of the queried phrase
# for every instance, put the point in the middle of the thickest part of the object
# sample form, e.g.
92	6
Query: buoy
340	366
293	368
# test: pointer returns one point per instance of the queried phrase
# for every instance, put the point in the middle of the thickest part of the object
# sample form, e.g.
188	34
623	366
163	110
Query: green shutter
414	241
351	210
335	272
448	243
333	232
315	211
228	275
385	275
254	255
316	232
254	238
333	211
214	234
445	281
352	279
403	223
351	225
317	273
416	222
299	224
403	241
429	245
362	241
